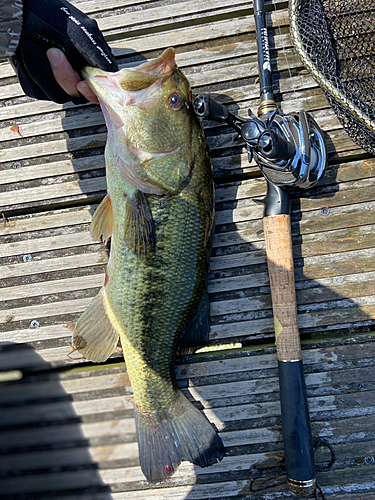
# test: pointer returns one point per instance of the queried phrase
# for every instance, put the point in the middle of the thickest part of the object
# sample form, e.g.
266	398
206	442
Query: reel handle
205	107
208	108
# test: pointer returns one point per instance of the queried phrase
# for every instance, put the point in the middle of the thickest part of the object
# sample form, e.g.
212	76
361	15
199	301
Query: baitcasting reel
289	149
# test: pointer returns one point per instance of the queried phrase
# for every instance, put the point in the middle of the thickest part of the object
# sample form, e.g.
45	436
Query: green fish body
159	213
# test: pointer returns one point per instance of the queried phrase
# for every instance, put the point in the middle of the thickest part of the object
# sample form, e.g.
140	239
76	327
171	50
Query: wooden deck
66	426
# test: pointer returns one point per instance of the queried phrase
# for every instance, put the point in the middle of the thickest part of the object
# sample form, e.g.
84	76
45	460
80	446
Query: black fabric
57	23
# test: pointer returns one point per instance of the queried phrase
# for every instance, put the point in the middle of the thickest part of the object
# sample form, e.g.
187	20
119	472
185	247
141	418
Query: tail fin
179	433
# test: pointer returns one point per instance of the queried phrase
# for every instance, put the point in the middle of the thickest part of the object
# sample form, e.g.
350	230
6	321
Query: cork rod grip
278	238
298	447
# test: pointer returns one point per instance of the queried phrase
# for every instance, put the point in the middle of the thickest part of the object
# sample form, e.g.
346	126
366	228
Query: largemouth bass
159	214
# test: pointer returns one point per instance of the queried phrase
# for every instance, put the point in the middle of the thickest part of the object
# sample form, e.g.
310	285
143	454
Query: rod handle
298	448
278	237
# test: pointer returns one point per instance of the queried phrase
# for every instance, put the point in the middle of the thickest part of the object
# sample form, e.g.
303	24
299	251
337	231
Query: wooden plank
160	492
59	189
200	389
234	319
339	408
164	12
34	267
320	238
69	433
172	37
342	173
79	261
237	94
335	196
46	244
315	305
200	33
43	127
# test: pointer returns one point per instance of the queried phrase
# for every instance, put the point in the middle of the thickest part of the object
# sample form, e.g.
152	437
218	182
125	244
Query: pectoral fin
102	221
139	225
94	335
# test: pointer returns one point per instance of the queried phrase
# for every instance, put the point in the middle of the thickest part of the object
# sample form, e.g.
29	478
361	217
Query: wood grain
67	428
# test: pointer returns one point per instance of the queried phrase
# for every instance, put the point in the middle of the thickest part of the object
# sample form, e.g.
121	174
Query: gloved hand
57	23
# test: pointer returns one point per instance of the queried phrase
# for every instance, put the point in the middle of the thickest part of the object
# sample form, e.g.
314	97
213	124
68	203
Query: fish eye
175	100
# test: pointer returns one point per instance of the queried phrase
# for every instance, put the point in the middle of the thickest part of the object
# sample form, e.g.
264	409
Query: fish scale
172	307
159	213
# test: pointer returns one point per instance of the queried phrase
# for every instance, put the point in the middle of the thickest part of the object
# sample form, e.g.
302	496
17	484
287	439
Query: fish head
149	115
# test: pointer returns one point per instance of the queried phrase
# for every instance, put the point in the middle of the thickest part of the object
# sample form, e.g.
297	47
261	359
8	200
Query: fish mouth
111	97
124	87
100	82
134	78
89	72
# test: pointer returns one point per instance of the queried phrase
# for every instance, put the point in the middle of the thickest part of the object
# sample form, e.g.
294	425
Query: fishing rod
290	151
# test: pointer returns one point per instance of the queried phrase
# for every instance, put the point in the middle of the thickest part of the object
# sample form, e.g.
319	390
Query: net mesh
336	41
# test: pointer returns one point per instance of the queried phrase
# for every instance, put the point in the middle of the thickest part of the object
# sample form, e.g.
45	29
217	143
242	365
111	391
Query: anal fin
139	225
102	221
94	336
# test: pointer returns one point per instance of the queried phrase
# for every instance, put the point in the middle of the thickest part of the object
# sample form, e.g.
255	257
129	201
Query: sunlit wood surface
66	426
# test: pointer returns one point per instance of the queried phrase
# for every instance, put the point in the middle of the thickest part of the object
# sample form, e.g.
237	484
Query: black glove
57	23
